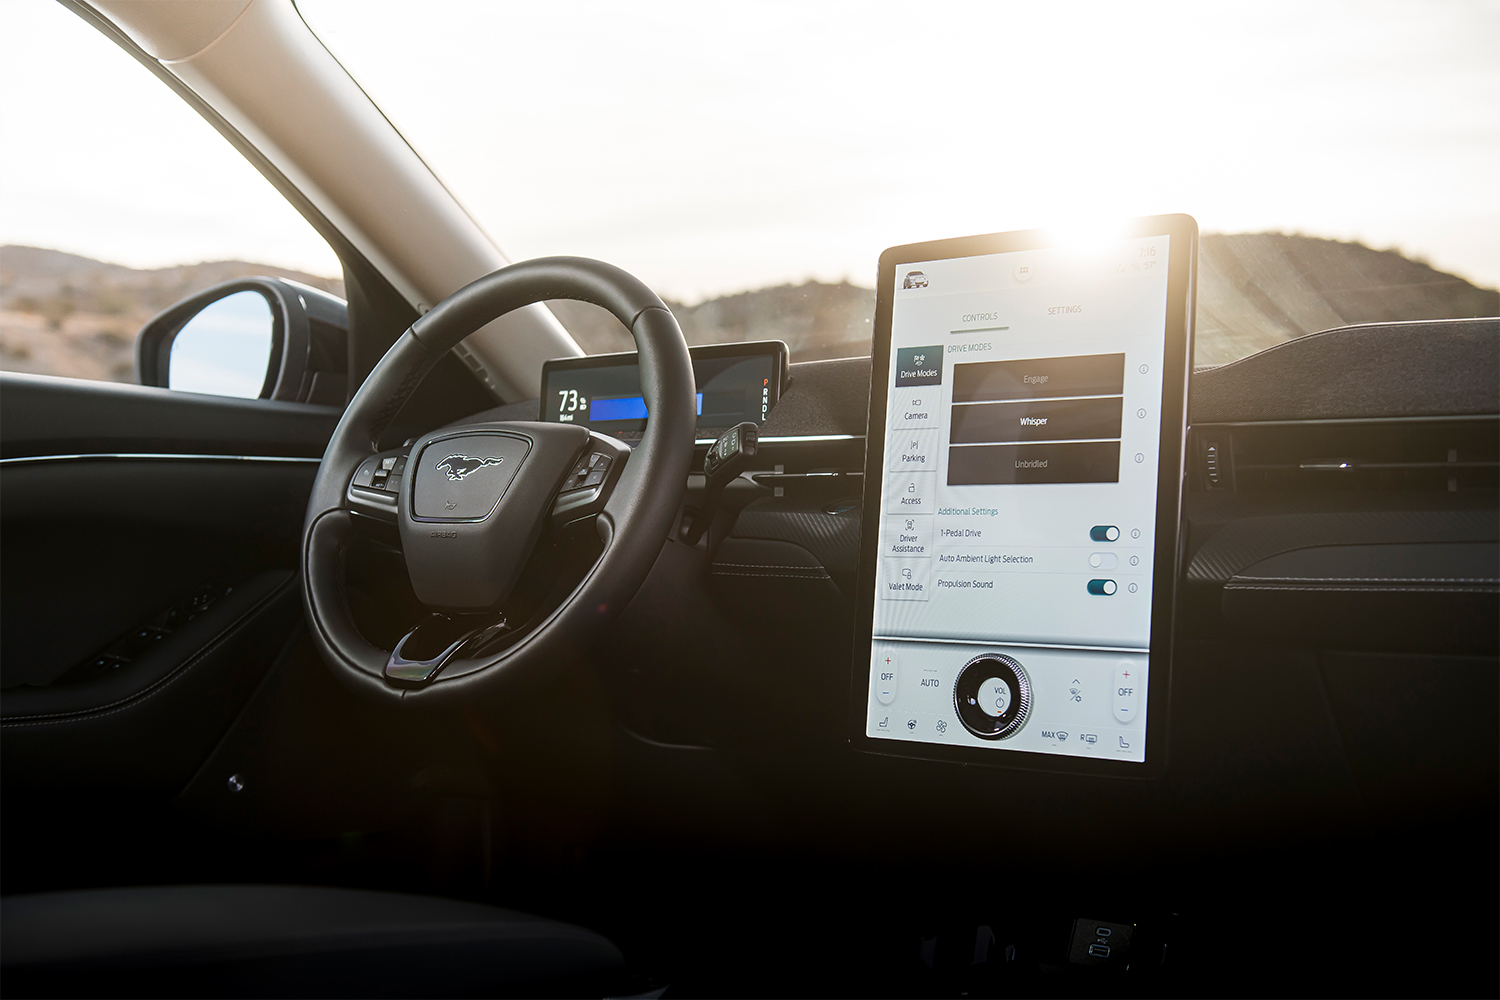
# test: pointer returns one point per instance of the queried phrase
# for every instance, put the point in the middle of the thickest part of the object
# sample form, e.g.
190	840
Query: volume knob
992	696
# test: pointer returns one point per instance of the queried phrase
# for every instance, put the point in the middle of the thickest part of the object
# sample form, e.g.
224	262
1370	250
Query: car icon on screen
914	279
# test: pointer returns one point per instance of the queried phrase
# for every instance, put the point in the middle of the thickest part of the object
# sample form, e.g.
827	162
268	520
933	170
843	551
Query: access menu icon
919	365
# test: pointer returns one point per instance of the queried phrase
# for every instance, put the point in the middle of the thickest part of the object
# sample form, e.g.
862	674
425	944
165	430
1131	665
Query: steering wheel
474	498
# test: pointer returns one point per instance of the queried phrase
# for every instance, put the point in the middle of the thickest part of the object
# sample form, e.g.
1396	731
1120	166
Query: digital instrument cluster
736	383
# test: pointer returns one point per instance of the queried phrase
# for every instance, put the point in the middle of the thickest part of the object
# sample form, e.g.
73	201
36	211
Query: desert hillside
62	314
1256	290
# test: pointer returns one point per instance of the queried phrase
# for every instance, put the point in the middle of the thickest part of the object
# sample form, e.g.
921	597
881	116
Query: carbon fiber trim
832	538
1247	541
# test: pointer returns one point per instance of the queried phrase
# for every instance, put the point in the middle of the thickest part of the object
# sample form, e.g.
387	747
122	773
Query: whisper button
1104	533
1102	588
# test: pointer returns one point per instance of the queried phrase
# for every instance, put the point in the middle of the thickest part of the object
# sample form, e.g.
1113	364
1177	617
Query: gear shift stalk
724	461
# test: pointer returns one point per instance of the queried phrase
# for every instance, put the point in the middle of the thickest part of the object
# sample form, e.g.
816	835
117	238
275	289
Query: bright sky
712	147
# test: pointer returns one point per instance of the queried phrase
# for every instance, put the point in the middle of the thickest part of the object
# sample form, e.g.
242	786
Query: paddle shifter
724	461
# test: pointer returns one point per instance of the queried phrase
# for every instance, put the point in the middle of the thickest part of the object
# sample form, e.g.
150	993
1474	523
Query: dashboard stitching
1367	590
789	576
1370	579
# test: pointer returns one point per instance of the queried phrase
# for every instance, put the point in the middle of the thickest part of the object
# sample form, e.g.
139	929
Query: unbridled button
1127	691
994	697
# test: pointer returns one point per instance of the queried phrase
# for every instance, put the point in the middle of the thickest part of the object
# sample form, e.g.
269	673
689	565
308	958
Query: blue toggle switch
1104	533
1102	588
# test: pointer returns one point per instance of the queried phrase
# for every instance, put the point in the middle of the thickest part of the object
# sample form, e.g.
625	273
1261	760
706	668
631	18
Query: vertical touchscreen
1013	586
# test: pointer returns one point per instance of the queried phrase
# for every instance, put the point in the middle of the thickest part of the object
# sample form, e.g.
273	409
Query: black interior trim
49	415
1441	367
271	940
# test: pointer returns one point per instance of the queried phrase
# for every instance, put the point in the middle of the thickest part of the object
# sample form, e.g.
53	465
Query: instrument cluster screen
736	382
1018	501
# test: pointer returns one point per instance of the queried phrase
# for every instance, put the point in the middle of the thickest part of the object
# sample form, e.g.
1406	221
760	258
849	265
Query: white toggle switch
1103	560
1128	688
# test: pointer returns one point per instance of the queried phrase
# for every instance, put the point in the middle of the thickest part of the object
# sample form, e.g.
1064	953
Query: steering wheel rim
633	525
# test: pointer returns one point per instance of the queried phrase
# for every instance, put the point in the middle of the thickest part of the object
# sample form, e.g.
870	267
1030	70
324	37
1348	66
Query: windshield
750	161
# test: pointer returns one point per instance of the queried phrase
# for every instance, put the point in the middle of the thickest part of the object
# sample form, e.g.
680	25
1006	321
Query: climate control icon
992	696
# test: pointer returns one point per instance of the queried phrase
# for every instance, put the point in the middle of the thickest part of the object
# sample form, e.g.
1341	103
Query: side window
118	200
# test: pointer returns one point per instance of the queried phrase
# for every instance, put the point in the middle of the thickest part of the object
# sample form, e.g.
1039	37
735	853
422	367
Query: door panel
148	574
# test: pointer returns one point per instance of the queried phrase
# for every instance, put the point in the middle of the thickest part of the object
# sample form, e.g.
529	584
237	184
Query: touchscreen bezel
776	350
1177	366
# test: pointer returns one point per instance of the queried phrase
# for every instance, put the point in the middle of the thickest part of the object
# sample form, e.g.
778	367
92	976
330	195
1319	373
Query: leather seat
261	940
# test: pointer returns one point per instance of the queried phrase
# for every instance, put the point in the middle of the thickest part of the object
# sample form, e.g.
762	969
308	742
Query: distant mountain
816	320
69	315
1257	290
1254	291
32	274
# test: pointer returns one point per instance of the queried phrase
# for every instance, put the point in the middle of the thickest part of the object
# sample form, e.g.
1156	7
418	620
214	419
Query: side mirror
257	338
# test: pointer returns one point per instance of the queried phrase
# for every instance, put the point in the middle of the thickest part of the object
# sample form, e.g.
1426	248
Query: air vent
1422	454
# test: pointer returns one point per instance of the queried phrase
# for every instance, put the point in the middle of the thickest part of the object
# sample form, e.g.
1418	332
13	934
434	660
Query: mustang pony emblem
459	466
